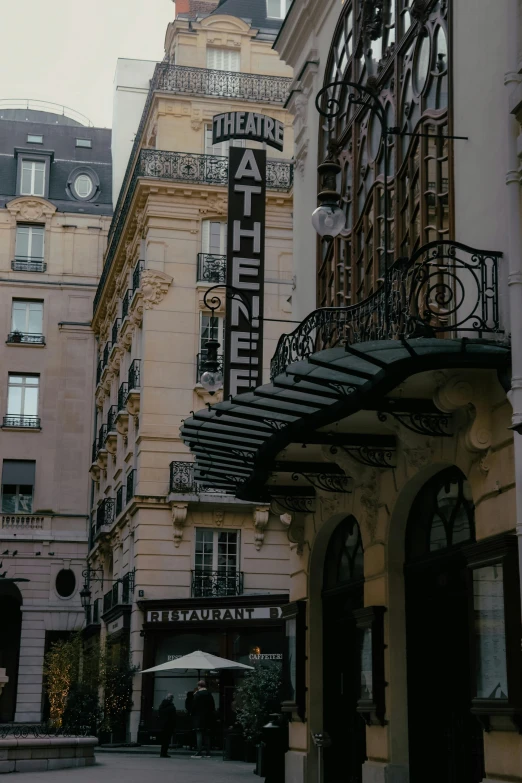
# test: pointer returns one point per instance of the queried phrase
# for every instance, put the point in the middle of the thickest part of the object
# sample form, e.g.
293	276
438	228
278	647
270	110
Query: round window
65	583
83	186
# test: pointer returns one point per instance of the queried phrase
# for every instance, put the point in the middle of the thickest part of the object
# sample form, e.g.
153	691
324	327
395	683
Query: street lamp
85	596
329	219
212	377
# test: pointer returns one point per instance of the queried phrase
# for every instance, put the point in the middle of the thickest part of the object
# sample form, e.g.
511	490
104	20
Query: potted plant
16	336
257	696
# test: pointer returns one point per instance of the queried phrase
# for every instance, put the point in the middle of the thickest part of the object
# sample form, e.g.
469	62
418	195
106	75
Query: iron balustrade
206	584
212	268
23	337
96	611
134	378
28	264
200	364
136	275
106	352
120	592
23	422
131	485
111	417
445	288
94	452
224	84
123	393
99	370
102	436
127	586
182	480
119	501
115	329
105	513
125	303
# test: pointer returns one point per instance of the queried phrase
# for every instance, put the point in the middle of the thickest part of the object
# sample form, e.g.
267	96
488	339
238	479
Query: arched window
442	516
344	561
404	49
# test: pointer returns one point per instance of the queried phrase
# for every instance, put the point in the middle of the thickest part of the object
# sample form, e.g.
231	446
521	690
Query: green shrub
257	696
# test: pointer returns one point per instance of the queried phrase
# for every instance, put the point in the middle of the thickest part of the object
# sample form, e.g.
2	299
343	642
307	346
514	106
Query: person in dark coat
167	716
203	713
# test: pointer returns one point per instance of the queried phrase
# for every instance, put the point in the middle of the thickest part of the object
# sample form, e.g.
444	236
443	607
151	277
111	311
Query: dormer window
277	9
223	59
33	138
33	178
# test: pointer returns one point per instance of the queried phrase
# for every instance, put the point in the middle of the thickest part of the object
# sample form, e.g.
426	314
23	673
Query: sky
65	51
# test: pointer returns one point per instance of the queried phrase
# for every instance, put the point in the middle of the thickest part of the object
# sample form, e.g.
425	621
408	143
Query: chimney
195	7
182	6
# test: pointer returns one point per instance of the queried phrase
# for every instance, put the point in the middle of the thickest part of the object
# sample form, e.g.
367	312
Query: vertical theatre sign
245	245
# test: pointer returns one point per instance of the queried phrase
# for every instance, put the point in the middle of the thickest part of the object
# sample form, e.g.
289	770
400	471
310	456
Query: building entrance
342	594
11	614
445	739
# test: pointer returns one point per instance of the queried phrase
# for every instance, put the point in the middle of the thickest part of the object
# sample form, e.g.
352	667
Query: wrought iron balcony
28	264
123	393
119	501
115	329
106	352
182	480
23	337
223	84
102	436
136	275
134	379
211	268
445	289
99	370
200	361
120	592
111	416
105	514
94	451
131	485
206	584
125	303
22	422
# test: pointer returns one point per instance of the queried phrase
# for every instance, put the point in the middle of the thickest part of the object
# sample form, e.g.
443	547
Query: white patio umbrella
198	661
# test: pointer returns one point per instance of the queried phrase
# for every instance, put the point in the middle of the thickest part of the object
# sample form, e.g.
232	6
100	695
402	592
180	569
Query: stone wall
36	755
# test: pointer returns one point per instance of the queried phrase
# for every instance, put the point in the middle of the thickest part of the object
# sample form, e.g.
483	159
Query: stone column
30	668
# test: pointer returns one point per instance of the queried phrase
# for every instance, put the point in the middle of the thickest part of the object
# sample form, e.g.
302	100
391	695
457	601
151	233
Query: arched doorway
445	740
11	618
343	586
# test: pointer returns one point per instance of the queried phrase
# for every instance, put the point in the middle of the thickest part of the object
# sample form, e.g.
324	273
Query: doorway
445	739
11	614
343	585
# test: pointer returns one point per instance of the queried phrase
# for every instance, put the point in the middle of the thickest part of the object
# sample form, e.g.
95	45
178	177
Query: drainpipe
514	240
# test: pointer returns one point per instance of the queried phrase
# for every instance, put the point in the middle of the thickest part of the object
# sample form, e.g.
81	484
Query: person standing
203	712
167	716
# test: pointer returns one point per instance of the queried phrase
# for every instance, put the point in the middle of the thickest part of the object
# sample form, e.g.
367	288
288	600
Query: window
29	243
17	486
223	59
83	186
34	139
27	317
216	563
33	178
87	143
214	239
277	9
223	147
22	399
211	329
65	583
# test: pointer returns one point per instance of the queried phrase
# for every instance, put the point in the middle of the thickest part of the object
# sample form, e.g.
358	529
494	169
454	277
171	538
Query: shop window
17	486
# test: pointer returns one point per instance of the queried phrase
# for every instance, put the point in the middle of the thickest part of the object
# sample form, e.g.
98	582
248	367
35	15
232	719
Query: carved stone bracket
154	286
294	524
179	515
460	391
261	514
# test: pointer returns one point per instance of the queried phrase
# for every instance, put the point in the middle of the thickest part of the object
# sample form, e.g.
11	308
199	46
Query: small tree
61	671
257	695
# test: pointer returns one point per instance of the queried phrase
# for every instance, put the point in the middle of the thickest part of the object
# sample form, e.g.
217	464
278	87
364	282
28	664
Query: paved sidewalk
132	768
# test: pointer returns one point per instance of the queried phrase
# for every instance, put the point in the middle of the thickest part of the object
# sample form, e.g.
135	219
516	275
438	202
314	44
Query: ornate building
385	436
55	211
166	553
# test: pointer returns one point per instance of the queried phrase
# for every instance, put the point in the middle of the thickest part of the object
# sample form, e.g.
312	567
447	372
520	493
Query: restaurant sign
223	614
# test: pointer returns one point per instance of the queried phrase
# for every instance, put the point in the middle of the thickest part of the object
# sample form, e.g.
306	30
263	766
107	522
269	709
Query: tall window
29	243
223	59
277	9
409	62
27	317
216	562
22	398
17	486
211	328
214	237
33	178
221	148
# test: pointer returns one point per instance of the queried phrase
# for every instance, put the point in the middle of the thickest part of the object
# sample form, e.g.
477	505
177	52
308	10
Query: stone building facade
55	211
394	406
166	554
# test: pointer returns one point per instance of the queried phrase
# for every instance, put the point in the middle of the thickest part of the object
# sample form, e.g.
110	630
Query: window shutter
20	472
223	59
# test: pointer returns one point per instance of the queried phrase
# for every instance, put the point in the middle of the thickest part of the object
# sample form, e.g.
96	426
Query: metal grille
21	337
125	303
111	416
105	513
115	329
134	375
119	501
21	264
131	483
102	435
224	84
216	583
136	275
211	268
29	422
123	393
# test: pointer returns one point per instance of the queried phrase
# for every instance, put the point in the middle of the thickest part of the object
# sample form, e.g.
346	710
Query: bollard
321	741
275	739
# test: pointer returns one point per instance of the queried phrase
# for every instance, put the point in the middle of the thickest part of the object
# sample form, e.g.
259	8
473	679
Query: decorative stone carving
31	209
218	517
295	530
329	505
418	458
206	397
215	205
461	392
179	515
100	398
117	356
372	19
109	377
261	514
154	285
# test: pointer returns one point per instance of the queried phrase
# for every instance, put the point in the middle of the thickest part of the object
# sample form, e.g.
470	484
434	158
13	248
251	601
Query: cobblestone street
135	768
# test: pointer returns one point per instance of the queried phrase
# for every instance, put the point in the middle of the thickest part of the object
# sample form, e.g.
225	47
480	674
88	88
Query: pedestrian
167	716
203	711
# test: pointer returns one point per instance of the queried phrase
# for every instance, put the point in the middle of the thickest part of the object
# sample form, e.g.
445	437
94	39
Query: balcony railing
123	393
28	264
136	275
102	436
94	451
23	337
125	303
134	379
106	352
445	288
99	370
23	422
22	522
200	361
119	501
223	84
115	329
105	513
206	584
211	268
131	485
111	416
183	482
120	592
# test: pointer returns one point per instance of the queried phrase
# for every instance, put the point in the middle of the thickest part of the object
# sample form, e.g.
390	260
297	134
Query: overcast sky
65	51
